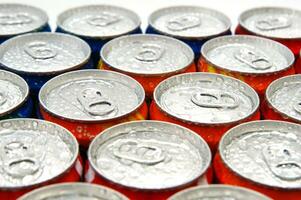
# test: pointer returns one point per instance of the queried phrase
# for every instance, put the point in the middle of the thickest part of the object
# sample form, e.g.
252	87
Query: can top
205	98
73	191
247	54
18	19
149	155
147	54
218	192
14	92
98	21
33	152
44	53
272	149
284	96
190	22
272	22
91	95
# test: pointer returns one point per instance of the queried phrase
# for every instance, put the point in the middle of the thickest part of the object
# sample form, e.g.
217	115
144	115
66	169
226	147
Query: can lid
189	22
272	149
149	155
147	54
247	54
91	95
18	19
44	53
33	152
205	98
272	22
98	21
284	96
218	192
14	92
73	191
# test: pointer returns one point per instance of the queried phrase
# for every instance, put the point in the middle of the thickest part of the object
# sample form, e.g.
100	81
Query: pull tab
215	99
3	98
40	50
138	152
183	22
253	59
103	19
150	53
273	23
95	103
283	162
15	19
297	107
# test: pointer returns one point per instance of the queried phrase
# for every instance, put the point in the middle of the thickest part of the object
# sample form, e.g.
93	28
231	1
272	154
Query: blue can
191	24
15	101
17	19
98	24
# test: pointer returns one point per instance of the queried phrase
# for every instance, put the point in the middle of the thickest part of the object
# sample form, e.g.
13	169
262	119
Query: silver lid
73	191
218	192
34	151
147	54
272	22
190	22
13	92
44	53
247	54
284	96
18	19
91	95
206	98
272	149
98	21
149	155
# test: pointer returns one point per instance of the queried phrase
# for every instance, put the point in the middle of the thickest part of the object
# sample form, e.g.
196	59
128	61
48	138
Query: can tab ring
150	53
40	50
297	107
273	23
104	19
183	22
3	98
15	19
253	59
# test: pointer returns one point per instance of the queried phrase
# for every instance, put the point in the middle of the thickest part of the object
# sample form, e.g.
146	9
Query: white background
143	8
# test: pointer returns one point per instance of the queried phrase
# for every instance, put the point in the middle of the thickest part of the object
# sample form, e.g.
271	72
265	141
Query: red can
87	102
264	156
148	160
35	153
209	104
254	60
147	58
298	64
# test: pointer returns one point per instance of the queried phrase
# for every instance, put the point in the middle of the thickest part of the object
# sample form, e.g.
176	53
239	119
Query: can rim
71	164
200	38
135	16
157	101
290	53
242	15
167	73
92	121
201	174
223	159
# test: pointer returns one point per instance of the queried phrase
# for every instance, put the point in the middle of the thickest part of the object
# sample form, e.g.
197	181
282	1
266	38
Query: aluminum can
298	64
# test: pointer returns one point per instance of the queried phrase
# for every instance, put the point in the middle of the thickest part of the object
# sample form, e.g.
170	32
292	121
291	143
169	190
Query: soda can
74	191
148	159
208	104
191	24
15	101
218	192
283	100
97	24
254	60
147	58
35	153
37	57
86	102
298	64
276	23
17	19
264	156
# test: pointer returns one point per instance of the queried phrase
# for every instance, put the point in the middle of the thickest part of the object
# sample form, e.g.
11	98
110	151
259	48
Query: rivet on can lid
98	21
149	155
147	54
